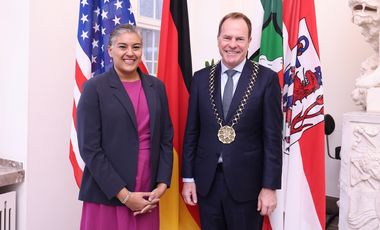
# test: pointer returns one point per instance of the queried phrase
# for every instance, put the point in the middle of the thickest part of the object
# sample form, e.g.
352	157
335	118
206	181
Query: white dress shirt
235	78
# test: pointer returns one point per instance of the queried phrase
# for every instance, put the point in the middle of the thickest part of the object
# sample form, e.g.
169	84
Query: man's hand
266	201
189	193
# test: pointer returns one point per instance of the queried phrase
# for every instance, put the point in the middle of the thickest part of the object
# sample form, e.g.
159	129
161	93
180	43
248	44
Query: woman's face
126	53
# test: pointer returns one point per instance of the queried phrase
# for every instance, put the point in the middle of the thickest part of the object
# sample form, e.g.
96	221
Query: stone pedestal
11	172
360	172
373	99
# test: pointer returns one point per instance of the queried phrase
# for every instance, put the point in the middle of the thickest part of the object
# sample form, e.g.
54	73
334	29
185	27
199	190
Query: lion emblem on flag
303	94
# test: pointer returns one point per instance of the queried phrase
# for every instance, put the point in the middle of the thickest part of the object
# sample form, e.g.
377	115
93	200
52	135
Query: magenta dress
104	217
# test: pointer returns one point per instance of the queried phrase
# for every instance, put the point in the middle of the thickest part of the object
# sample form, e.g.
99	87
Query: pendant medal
226	134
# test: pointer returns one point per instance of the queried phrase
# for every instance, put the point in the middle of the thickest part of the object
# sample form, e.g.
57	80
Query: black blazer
108	140
254	159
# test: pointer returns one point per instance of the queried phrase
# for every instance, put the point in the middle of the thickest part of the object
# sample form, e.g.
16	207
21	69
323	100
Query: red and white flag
301	202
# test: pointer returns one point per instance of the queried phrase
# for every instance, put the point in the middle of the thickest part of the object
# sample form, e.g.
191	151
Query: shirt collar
238	68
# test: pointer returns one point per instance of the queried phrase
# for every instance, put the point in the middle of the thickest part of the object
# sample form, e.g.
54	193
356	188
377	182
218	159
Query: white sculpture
366	14
359	204
364	201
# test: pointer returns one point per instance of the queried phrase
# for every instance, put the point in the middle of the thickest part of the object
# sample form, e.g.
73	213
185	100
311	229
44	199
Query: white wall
204	17
13	80
52	193
14	65
342	49
36	85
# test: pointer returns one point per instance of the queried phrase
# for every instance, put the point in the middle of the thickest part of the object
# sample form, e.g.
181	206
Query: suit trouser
219	211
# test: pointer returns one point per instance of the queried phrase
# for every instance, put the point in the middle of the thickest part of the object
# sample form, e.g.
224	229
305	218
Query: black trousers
219	211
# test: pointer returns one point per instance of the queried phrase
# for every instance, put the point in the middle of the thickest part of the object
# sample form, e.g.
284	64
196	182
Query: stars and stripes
97	18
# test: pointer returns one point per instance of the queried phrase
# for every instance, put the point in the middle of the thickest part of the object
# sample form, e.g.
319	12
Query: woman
125	139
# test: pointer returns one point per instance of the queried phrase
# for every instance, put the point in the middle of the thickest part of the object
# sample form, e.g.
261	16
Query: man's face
126	52
233	42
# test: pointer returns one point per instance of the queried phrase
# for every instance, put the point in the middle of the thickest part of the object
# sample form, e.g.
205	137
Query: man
232	156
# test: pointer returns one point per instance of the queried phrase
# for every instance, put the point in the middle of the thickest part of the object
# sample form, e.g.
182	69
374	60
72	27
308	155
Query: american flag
97	18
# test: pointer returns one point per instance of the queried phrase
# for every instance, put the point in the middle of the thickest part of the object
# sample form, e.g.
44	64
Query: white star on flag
116	20
84	35
118	4
95	43
97	12
84	2
96	27
104	14
84	18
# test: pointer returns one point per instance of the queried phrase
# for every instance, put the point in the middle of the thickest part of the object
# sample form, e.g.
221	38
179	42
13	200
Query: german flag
175	70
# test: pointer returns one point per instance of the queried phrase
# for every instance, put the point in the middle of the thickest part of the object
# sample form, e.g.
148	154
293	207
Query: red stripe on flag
74	114
79	77
77	170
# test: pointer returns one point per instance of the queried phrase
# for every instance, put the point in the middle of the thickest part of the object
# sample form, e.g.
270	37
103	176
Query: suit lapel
151	98
240	89
122	96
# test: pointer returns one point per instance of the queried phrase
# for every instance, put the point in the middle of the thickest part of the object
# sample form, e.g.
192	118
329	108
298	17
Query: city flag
175	70
270	52
302	197
97	18
303	200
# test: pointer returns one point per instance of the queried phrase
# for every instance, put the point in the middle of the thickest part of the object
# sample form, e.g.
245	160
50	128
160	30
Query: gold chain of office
226	133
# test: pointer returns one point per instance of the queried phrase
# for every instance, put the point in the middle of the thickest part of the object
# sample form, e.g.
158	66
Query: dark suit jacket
108	140
254	159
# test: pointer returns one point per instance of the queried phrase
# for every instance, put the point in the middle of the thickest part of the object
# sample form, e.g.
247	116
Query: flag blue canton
97	19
